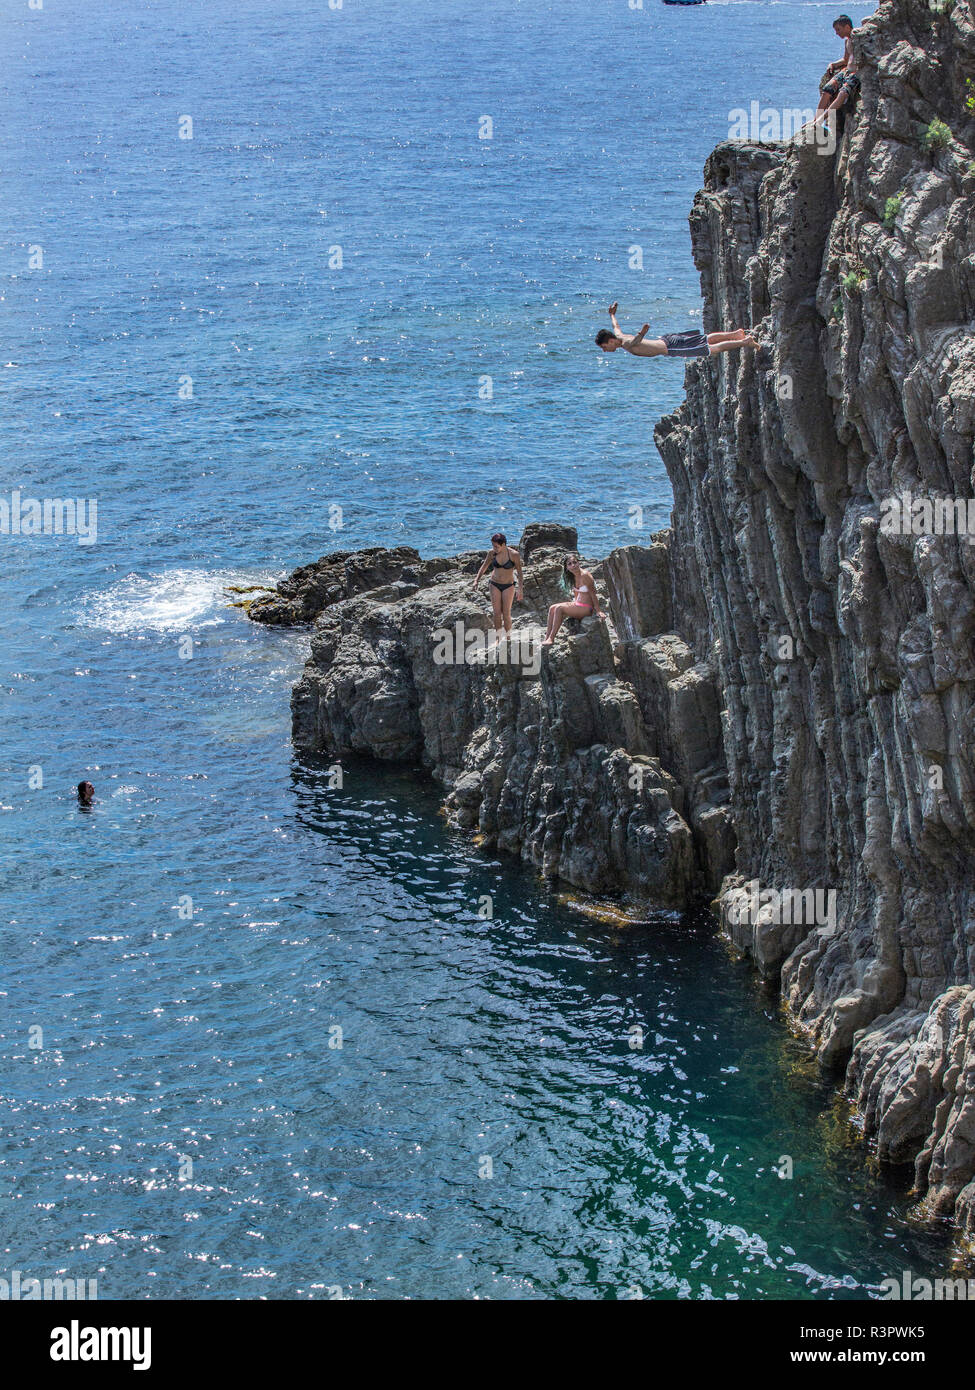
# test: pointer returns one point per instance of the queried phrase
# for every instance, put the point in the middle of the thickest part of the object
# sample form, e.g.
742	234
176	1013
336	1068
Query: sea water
270	290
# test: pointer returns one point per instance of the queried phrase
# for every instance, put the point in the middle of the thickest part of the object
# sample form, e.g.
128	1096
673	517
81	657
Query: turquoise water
186	1130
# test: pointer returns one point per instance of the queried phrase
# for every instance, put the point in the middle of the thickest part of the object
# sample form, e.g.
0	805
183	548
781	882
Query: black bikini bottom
501	587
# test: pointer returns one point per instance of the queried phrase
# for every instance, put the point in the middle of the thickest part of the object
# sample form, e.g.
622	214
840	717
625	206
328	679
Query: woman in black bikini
504	589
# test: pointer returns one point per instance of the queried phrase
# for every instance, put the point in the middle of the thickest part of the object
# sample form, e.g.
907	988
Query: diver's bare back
643	347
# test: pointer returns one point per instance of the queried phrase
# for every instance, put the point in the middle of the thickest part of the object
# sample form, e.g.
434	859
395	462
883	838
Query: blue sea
266	293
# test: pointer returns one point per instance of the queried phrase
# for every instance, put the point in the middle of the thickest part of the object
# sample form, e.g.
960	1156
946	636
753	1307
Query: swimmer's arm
843	62
480	573
629	340
637	338
518	571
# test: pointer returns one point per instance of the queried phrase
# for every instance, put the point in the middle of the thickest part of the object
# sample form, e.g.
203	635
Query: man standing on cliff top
845	84
690	344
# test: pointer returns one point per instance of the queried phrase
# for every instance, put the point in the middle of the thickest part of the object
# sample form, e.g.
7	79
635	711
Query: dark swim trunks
689	344
849	80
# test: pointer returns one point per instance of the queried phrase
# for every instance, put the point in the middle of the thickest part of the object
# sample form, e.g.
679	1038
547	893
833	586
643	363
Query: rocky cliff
782	706
837	627
598	760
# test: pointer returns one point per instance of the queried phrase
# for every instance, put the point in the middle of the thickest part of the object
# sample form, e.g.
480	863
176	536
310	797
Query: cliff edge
597	760
836	614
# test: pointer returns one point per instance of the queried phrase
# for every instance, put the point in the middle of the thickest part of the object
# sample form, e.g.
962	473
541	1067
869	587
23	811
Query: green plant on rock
892	209
854	280
837	310
938	135
970	99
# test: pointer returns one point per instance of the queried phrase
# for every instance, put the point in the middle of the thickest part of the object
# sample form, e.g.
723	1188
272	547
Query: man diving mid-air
690	344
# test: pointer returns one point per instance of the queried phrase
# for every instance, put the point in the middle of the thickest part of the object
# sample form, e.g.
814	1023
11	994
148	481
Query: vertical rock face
842	650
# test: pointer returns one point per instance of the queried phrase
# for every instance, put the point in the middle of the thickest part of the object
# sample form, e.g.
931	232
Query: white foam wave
174	601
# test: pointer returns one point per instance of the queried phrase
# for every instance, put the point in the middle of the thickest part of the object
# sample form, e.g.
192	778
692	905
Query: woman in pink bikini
584	598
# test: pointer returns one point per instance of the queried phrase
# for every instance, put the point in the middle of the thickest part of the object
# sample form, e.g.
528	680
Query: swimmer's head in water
86	793
607	341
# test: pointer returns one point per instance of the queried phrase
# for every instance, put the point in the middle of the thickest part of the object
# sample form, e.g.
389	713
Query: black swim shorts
689	344
849	80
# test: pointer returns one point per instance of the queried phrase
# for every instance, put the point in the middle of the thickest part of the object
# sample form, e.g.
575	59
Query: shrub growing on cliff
891	209
937	136
854	280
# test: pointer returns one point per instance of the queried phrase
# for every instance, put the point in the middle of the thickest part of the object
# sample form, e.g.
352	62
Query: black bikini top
509	564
